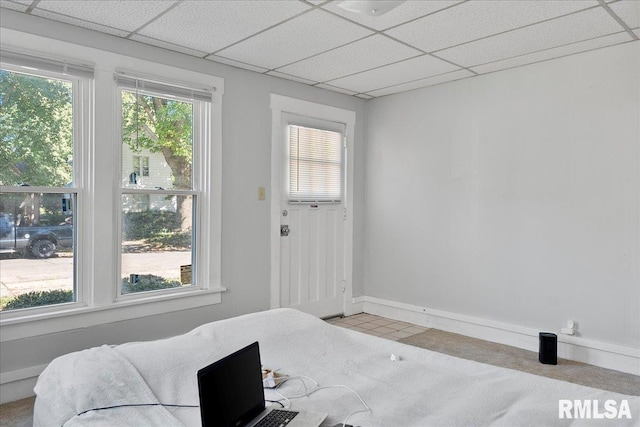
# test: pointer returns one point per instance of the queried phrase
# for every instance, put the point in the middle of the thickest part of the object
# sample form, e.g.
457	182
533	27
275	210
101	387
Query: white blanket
98	378
423	388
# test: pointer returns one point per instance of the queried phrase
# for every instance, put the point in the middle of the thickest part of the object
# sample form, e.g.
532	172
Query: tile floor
378	326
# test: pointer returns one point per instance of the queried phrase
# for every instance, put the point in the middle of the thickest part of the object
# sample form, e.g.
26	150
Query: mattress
347	374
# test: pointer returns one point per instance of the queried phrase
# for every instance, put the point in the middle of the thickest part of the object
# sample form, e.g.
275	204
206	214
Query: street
20	275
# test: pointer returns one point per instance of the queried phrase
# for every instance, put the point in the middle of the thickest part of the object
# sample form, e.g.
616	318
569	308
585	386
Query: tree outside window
37	151
162	127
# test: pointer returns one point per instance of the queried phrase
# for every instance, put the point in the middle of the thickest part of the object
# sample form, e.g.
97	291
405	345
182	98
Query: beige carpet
17	414
524	360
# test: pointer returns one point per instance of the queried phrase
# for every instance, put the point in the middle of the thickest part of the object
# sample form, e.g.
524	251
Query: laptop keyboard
277	418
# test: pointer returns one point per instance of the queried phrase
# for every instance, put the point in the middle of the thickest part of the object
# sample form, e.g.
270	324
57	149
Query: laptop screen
231	393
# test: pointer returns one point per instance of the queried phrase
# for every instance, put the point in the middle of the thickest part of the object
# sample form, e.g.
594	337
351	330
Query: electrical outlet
570	329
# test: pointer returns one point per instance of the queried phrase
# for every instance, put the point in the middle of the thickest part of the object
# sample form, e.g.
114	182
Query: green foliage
39	298
51	209
173	240
4	301
148	282
47	205
49	219
160	125
36	130
144	225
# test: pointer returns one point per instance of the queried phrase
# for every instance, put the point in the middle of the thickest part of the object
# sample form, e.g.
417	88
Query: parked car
38	241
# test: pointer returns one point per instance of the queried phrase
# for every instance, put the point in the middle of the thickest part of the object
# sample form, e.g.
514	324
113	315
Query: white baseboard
358	305
18	384
610	356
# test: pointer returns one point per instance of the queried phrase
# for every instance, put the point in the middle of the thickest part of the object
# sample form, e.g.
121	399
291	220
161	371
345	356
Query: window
118	248
141	165
315	164
42	104
159	213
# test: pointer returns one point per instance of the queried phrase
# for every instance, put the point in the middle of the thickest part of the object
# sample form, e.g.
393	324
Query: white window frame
138	163
100	204
324	125
82	130
201	124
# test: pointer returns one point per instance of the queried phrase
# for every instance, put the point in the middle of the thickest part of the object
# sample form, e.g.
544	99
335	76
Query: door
312	216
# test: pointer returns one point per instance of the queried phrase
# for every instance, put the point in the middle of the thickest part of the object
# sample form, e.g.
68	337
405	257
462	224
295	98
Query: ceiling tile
167	45
212	25
290	77
400	72
407	11
313	41
336	89
569	29
430	81
123	15
554	53
362	55
475	19
20	6
237	64
79	22
628	11
300	38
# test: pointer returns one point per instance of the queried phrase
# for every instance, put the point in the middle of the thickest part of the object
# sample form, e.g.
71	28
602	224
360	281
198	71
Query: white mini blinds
315	165
168	90
29	62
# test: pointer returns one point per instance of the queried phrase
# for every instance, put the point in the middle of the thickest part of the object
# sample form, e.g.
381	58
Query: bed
420	388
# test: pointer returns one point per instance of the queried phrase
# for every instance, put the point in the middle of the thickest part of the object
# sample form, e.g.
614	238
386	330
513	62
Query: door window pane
315	164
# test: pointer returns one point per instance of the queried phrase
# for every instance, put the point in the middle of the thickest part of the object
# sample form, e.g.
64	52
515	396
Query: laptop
232	395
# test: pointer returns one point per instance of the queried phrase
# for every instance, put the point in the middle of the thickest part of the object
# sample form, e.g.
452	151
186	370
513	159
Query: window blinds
164	89
315	165
45	64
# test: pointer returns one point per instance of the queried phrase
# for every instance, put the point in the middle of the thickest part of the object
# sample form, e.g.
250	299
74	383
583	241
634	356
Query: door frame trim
283	104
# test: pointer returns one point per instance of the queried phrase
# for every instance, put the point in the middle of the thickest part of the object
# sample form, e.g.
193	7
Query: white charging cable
367	408
285	378
318	388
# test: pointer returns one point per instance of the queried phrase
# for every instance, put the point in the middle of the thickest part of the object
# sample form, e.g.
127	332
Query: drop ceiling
416	44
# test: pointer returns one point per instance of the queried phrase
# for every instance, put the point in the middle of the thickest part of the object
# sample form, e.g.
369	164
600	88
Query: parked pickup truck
39	241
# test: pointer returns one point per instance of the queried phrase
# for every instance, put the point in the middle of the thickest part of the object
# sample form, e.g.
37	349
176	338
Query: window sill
31	325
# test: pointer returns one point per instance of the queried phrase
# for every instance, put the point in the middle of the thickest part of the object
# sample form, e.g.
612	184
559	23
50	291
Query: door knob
284	230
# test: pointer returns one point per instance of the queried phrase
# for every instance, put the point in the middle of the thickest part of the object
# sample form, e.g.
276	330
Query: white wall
246	135
512	197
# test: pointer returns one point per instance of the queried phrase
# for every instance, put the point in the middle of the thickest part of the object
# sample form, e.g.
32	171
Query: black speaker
548	348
